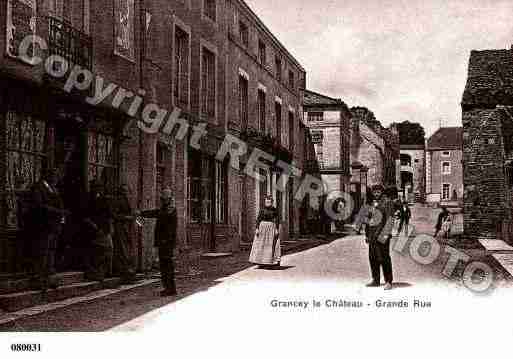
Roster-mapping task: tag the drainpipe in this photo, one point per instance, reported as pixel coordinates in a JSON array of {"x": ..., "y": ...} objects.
[{"x": 140, "y": 181}]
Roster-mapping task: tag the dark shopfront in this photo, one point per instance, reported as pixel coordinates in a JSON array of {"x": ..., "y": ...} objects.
[{"x": 40, "y": 128}]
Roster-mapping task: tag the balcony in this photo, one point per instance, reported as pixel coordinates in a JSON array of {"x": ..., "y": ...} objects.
[{"x": 72, "y": 44}]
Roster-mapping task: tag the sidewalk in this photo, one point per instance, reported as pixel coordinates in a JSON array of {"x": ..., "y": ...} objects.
[{"x": 103, "y": 309}]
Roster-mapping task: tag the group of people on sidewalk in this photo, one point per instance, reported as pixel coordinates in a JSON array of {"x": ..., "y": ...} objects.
[{"x": 95, "y": 233}]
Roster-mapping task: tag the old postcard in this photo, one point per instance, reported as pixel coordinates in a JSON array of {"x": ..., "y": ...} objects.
[{"x": 256, "y": 178}]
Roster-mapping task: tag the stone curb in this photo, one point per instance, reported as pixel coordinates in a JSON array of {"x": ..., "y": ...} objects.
[{"x": 8, "y": 318}]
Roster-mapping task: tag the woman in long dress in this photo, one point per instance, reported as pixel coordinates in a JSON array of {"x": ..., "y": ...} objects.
[{"x": 266, "y": 249}]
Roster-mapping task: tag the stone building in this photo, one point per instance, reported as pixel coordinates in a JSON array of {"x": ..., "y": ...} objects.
[
  {"x": 487, "y": 107},
  {"x": 375, "y": 147},
  {"x": 212, "y": 60},
  {"x": 413, "y": 172},
  {"x": 444, "y": 166},
  {"x": 328, "y": 120}
]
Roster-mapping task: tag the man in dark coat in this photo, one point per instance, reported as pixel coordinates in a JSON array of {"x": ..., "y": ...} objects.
[
  {"x": 165, "y": 239},
  {"x": 45, "y": 226},
  {"x": 123, "y": 222},
  {"x": 378, "y": 234},
  {"x": 98, "y": 221},
  {"x": 404, "y": 217}
]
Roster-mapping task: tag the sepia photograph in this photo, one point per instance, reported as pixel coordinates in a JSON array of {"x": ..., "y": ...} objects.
[{"x": 251, "y": 178}]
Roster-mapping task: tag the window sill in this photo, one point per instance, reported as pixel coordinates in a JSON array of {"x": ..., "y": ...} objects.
[{"x": 126, "y": 58}]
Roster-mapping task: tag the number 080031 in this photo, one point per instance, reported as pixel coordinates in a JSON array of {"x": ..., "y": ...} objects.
[{"x": 26, "y": 347}]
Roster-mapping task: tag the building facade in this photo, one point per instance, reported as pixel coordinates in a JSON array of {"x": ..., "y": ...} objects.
[
  {"x": 375, "y": 147},
  {"x": 328, "y": 120},
  {"x": 413, "y": 172},
  {"x": 487, "y": 145},
  {"x": 444, "y": 166},
  {"x": 214, "y": 60}
]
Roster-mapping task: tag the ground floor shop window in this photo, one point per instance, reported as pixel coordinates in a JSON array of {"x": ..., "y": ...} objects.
[
  {"x": 25, "y": 140},
  {"x": 102, "y": 160},
  {"x": 221, "y": 185},
  {"x": 194, "y": 190},
  {"x": 207, "y": 182}
]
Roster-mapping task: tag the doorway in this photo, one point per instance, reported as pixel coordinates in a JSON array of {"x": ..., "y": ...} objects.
[{"x": 69, "y": 158}]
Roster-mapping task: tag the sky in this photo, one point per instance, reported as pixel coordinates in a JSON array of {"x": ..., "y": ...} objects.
[{"x": 402, "y": 59}]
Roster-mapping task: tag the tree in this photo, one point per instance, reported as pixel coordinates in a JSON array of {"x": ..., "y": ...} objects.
[{"x": 411, "y": 133}]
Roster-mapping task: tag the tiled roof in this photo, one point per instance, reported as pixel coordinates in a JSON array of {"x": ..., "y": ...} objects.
[
  {"x": 315, "y": 99},
  {"x": 490, "y": 79},
  {"x": 446, "y": 138}
]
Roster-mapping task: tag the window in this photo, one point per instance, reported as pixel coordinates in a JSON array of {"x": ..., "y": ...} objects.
[
  {"x": 315, "y": 116},
  {"x": 181, "y": 78},
  {"x": 243, "y": 101},
  {"x": 291, "y": 79},
  {"x": 278, "y": 69},
  {"x": 148, "y": 38},
  {"x": 244, "y": 33},
  {"x": 124, "y": 28},
  {"x": 194, "y": 187},
  {"x": 405, "y": 160},
  {"x": 277, "y": 110},
  {"x": 320, "y": 155},
  {"x": 221, "y": 185},
  {"x": 291, "y": 131},
  {"x": 446, "y": 191},
  {"x": 208, "y": 83},
  {"x": 21, "y": 22},
  {"x": 261, "y": 111},
  {"x": 317, "y": 137},
  {"x": 446, "y": 153},
  {"x": 446, "y": 168},
  {"x": 209, "y": 9},
  {"x": 102, "y": 160},
  {"x": 262, "y": 55},
  {"x": 26, "y": 154}
]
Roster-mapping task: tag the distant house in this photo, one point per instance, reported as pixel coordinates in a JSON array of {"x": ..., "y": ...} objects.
[
  {"x": 487, "y": 107},
  {"x": 328, "y": 120},
  {"x": 444, "y": 167}
]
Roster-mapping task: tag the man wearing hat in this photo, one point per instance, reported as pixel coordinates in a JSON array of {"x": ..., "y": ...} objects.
[
  {"x": 165, "y": 239},
  {"x": 45, "y": 222},
  {"x": 378, "y": 234}
]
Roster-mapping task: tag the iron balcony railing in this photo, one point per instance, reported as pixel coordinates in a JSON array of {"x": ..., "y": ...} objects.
[{"x": 70, "y": 43}]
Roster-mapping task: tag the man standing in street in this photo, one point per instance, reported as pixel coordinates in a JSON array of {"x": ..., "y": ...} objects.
[
  {"x": 378, "y": 234},
  {"x": 165, "y": 239},
  {"x": 45, "y": 226},
  {"x": 405, "y": 215}
]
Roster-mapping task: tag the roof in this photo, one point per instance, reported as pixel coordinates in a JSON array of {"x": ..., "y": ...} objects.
[
  {"x": 490, "y": 79},
  {"x": 446, "y": 138},
  {"x": 311, "y": 98}
]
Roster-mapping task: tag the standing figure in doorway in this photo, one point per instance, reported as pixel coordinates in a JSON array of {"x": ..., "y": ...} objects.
[
  {"x": 266, "y": 249},
  {"x": 99, "y": 223},
  {"x": 47, "y": 216},
  {"x": 165, "y": 239}
]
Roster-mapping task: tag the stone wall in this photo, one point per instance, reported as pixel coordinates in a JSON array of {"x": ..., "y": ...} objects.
[{"x": 487, "y": 201}]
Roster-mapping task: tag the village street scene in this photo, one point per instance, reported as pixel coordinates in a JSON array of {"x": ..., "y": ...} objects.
[{"x": 169, "y": 156}]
